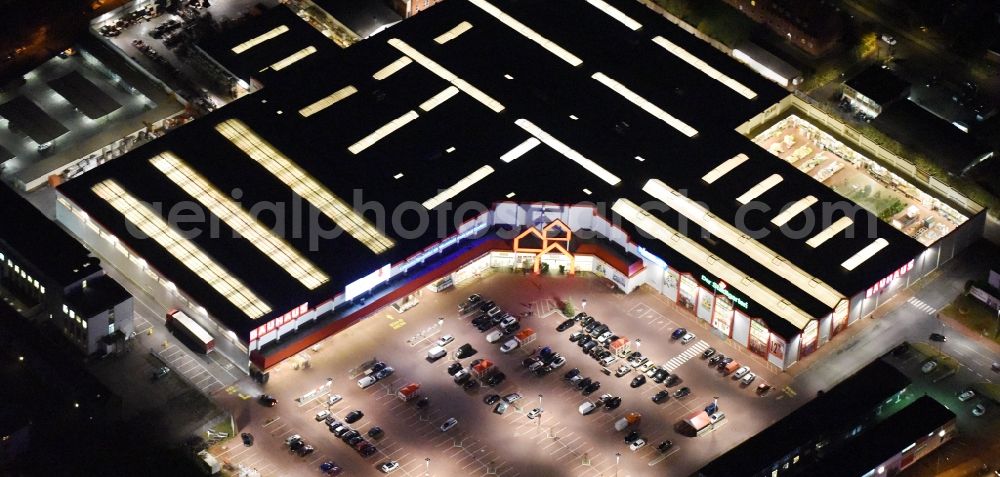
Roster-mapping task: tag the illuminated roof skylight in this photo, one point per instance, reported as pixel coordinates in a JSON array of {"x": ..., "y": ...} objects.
[
  {"x": 459, "y": 186},
  {"x": 328, "y": 101},
  {"x": 246, "y": 45},
  {"x": 528, "y": 33},
  {"x": 724, "y": 168},
  {"x": 705, "y": 67},
  {"x": 647, "y": 106},
  {"x": 567, "y": 151}
]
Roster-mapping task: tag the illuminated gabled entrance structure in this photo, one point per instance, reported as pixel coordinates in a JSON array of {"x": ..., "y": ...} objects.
[{"x": 554, "y": 236}]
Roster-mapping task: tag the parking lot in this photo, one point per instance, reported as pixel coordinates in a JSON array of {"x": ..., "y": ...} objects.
[{"x": 560, "y": 441}]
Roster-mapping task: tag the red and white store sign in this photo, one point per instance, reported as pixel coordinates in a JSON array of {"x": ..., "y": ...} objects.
[
  {"x": 885, "y": 282},
  {"x": 278, "y": 322}
]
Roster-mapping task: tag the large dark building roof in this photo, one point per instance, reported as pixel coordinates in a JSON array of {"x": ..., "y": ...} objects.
[
  {"x": 441, "y": 145},
  {"x": 844, "y": 406},
  {"x": 879, "y": 84},
  {"x": 877, "y": 445},
  {"x": 100, "y": 294},
  {"x": 41, "y": 242}
]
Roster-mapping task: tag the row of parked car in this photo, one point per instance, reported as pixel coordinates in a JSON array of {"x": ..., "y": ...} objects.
[{"x": 376, "y": 373}]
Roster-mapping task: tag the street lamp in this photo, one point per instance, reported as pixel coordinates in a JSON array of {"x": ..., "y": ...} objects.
[
  {"x": 329, "y": 392},
  {"x": 427, "y": 466},
  {"x": 618, "y": 458},
  {"x": 540, "y": 408}
]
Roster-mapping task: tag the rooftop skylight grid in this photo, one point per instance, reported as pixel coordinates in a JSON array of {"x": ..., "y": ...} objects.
[{"x": 273, "y": 33}]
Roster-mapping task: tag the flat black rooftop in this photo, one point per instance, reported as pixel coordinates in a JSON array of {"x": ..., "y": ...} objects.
[
  {"x": 877, "y": 445},
  {"x": 363, "y": 17},
  {"x": 84, "y": 95},
  {"x": 457, "y": 137},
  {"x": 27, "y": 117},
  {"x": 41, "y": 241},
  {"x": 878, "y": 84},
  {"x": 920, "y": 130},
  {"x": 102, "y": 293},
  {"x": 843, "y": 406}
]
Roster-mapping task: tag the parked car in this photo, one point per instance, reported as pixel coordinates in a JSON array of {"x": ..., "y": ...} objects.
[
  {"x": 661, "y": 396},
  {"x": 741, "y": 372},
  {"x": 576, "y": 336},
  {"x": 529, "y": 361},
  {"x": 687, "y": 338},
  {"x": 353, "y": 416},
  {"x": 638, "y": 381},
  {"x": 558, "y": 362},
  {"x": 366, "y": 381},
  {"x": 724, "y": 362},
  {"x": 748, "y": 379},
  {"x": 586, "y": 408},
  {"x": 161, "y": 372},
  {"x": 494, "y": 336},
  {"x": 387, "y": 467},
  {"x": 494, "y": 379},
  {"x": 682, "y": 392},
  {"x": 672, "y": 380},
  {"x": 267, "y": 400},
  {"x": 678, "y": 333},
  {"x": 660, "y": 375},
  {"x": 591, "y": 388},
  {"x": 247, "y": 439},
  {"x": 637, "y": 444},
  {"x": 708, "y": 353},
  {"x": 436, "y": 353},
  {"x": 966, "y": 395},
  {"x": 454, "y": 368},
  {"x": 584, "y": 383},
  {"x": 509, "y": 346},
  {"x": 938, "y": 337},
  {"x": 450, "y": 423},
  {"x": 589, "y": 345},
  {"x": 979, "y": 410},
  {"x": 929, "y": 366},
  {"x": 322, "y": 415},
  {"x": 461, "y": 376},
  {"x": 631, "y": 437},
  {"x": 535, "y": 412},
  {"x": 565, "y": 325},
  {"x": 714, "y": 360},
  {"x": 763, "y": 388},
  {"x": 612, "y": 402},
  {"x": 465, "y": 351},
  {"x": 511, "y": 398},
  {"x": 571, "y": 374},
  {"x": 664, "y": 446},
  {"x": 501, "y": 407},
  {"x": 491, "y": 399},
  {"x": 423, "y": 402},
  {"x": 333, "y": 399},
  {"x": 305, "y": 450},
  {"x": 376, "y": 432},
  {"x": 384, "y": 373},
  {"x": 622, "y": 370}
]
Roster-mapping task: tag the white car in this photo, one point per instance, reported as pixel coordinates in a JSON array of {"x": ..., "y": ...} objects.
[
  {"x": 558, "y": 362},
  {"x": 637, "y": 444},
  {"x": 292, "y": 439},
  {"x": 506, "y": 322},
  {"x": 586, "y": 408},
  {"x": 687, "y": 338},
  {"x": 366, "y": 381},
  {"x": 494, "y": 336},
  {"x": 461, "y": 374},
  {"x": 436, "y": 352},
  {"x": 444, "y": 340},
  {"x": 509, "y": 346},
  {"x": 929, "y": 366},
  {"x": 741, "y": 372},
  {"x": 979, "y": 410},
  {"x": 748, "y": 378},
  {"x": 965, "y": 396},
  {"x": 888, "y": 39},
  {"x": 334, "y": 399},
  {"x": 387, "y": 467},
  {"x": 535, "y": 412},
  {"x": 608, "y": 360},
  {"x": 451, "y": 422},
  {"x": 322, "y": 415}
]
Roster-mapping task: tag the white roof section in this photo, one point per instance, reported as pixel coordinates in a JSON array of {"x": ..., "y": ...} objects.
[
  {"x": 705, "y": 67},
  {"x": 382, "y": 132},
  {"x": 828, "y": 233},
  {"x": 569, "y": 152},
  {"x": 793, "y": 210},
  {"x": 616, "y": 14},
  {"x": 865, "y": 253},
  {"x": 711, "y": 263},
  {"x": 762, "y": 187},
  {"x": 645, "y": 105},
  {"x": 527, "y": 32},
  {"x": 439, "y": 98},
  {"x": 740, "y": 241},
  {"x": 328, "y": 101},
  {"x": 392, "y": 68},
  {"x": 304, "y": 185},
  {"x": 459, "y": 186},
  {"x": 724, "y": 168},
  {"x": 453, "y": 33},
  {"x": 446, "y": 75},
  {"x": 520, "y": 149},
  {"x": 184, "y": 250},
  {"x": 273, "y": 33},
  {"x": 258, "y": 235},
  {"x": 293, "y": 58}
]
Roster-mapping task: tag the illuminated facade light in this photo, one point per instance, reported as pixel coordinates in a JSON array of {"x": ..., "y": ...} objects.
[
  {"x": 328, "y": 101},
  {"x": 459, "y": 186},
  {"x": 679, "y": 242},
  {"x": 828, "y": 233},
  {"x": 304, "y": 185},
  {"x": 439, "y": 98},
  {"x": 567, "y": 151},
  {"x": 711, "y": 72},
  {"x": 616, "y": 14},
  {"x": 527, "y": 32},
  {"x": 392, "y": 68},
  {"x": 382, "y": 132},
  {"x": 724, "y": 168},
  {"x": 753, "y": 249},
  {"x": 793, "y": 210},
  {"x": 446, "y": 75},
  {"x": 185, "y": 251},
  {"x": 293, "y": 58},
  {"x": 759, "y": 189},
  {"x": 645, "y": 105},
  {"x": 261, "y": 237},
  {"x": 520, "y": 149},
  {"x": 453, "y": 33},
  {"x": 246, "y": 45},
  {"x": 865, "y": 253}
]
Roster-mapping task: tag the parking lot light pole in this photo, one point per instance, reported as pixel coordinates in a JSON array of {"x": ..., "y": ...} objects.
[
  {"x": 427, "y": 467},
  {"x": 329, "y": 392},
  {"x": 618, "y": 458},
  {"x": 540, "y": 407}
]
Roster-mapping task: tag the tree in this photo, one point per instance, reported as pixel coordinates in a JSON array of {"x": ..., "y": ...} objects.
[{"x": 867, "y": 45}]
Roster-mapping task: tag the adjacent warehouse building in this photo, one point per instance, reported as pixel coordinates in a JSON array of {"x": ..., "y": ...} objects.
[{"x": 489, "y": 134}]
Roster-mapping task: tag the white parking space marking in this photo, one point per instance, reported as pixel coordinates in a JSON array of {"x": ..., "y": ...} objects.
[{"x": 689, "y": 353}]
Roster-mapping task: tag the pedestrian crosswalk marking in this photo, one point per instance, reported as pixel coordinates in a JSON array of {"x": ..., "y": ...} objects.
[
  {"x": 920, "y": 305},
  {"x": 689, "y": 353}
]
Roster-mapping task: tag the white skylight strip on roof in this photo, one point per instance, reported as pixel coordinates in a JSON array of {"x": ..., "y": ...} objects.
[
  {"x": 828, "y": 233},
  {"x": 261, "y": 237},
  {"x": 793, "y": 210},
  {"x": 726, "y": 272},
  {"x": 453, "y": 33},
  {"x": 459, "y": 186},
  {"x": 182, "y": 249},
  {"x": 392, "y": 68},
  {"x": 567, "y": 151},
  {"x": 328, "y": 101},
  {"x": 724, "y": 168},
  {"x": 527, "y": 32},
  {"x": 756, "y": 191},
  {"x": 520, "y": 149},
  {"x": 304, "y": 185},
  {"x": 616, "y": 14},
  {"x": 643, "y": 103},
  {"x": 446, "y": 75},
  {"x": 865, "y": 253},
  {"x": 439, "y": 98},
  {"x": 246, "y": 45},
  {"x": 753, "y": 249},
  {"x": 705, "y": 67},
  {"x": 382, "y": 132},
  {"x": 293, "y": 58}
]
